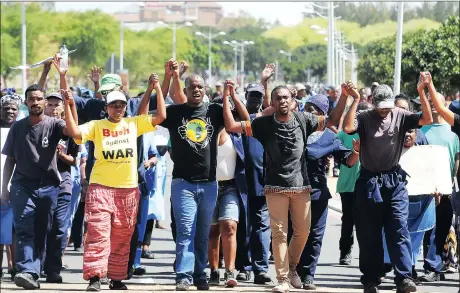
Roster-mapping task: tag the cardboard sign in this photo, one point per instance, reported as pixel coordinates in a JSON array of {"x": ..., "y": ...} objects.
[{"x": 429, "y": 171}]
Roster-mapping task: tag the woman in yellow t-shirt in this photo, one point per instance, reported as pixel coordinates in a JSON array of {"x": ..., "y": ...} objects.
[{"x": 113, "y": 196}]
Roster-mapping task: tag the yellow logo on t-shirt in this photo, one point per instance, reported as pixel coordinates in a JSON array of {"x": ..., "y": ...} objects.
[{"x": 197, "y": 132}]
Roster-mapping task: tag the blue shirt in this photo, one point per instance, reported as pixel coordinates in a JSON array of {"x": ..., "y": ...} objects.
[{"x": 254, "y": 164}]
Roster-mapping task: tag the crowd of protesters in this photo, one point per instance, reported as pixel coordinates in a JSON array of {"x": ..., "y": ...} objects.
[{"x": 249, "y": 179}]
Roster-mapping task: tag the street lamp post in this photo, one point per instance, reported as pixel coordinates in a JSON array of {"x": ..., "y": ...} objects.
[
  {"x": 399, "y": 33},
  {"x": 288, "y": 54},
  {"x": 242, "y": 44},
  {"x": 235, "y": 64},
  {"x": 174, "y": 27},
  {"x": 121, "y": 44},
  {"x": 210, "y": 37},
  {"x": 24, "y": 48}
]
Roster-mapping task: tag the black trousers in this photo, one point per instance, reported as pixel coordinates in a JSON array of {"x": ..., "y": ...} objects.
[
  {"x": 77, "y": 226},
  {"x": 348, "y": 223},
  {"x": 148, "y": 232}
]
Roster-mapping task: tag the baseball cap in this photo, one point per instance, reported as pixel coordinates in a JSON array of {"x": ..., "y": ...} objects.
[
  {"x": 383, "y": 97},
  {"x": 55, "y": 95},
  {"x": 109, "y": 82},
  {"x": 115, "y": 96},
  {"x": 255, "y": 87},
  {"x": 299, "y": 87},
  {"x": 218, "y": 84},
  {"x": 416, "y": 101}
]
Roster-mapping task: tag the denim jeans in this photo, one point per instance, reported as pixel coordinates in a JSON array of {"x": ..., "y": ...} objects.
[
  {"x": 193, "y": 204},
  {"x": 33, "y": 204},
  {"x": 260, "y": 233}
]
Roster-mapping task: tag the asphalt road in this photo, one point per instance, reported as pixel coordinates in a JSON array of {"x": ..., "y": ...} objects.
[{"x": 330, "y": 277}]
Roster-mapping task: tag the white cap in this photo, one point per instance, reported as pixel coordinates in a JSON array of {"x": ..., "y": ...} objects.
[{"x": 115, "y": 96}]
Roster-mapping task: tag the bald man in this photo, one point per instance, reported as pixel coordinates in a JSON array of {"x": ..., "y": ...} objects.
[{"x": 194, "y": 126}]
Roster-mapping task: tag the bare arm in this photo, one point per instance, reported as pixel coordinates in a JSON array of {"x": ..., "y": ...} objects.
[
  {"x": 161, "y": 107},
  {"x": 349, "y": 121},
  {"x": 71, "y": 128},
  {"x": 354, "y": 156},
  {"x": 8, "y": 168},
  {"x": 348, "y": 89},
  {"x": 230, "y": 124},
  {"x": 427, "y": 117},
  {"x": 239, "y": 106},
  {"x": 95, "y": 76},
  {"x": 440, "y": 107},
  {"x": 44, "y": 76},
  {"x": 265, "y": 76},
  {"x": 67, "y": 159},
  {"x": 143, "y": 108}
]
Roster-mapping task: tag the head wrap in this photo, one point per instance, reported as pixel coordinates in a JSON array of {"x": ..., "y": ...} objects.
[{"x": 11, "y": 98}]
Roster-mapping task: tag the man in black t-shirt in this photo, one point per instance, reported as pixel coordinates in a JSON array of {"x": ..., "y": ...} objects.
[
  {"x": 194, "y": 127},
  {"x": 287, "y": 188},
  {"x": 31, "y": 152}
]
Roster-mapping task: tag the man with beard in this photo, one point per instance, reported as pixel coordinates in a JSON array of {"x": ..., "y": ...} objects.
[
  {"x": 194, "y": 185},
  {"x": 31, "y": 152},
  {"x": 380, "y": 191}
]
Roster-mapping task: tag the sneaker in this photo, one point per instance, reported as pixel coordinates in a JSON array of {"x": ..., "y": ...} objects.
[
  {"x": 43, "y": 275},
  {"x": 182, "y": 285},
  {"x": 230, "y": 280},
  {"x": 54, "y": 278},
  {"x": 214, "y": 278},
  {"x": 139, "y": 271},
  {"x": 282, "y": 287},
  {"x": 117, "y": 285},
  {"x": 64, "y": 267},
  {"x": 294, "y": 277},
  {"x": 432, "y": 277},
  {"x": 94, "y": 285},
  {"x": 345, "y": 259},
  {"x": 309, "y": 285},
  {"x": 26, "y": 281},
  {"x": 406, "y": 286},
  {"x": 105, "y": 280},
  {"x": 244, "y": 276},
  {"x": 371, "y": 288},
  {"x": 261, "y": 278},
  {"x": 201, "y": 285}
]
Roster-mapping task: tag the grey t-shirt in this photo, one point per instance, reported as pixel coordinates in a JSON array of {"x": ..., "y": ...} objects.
[
  {"x": 284, "y": 148},
  {"x": 382, "y": 138},
  {"x": 34, "y": 149}
]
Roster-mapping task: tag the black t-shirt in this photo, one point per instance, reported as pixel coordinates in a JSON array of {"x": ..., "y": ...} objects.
[
  {"x": 34, "y": 149},
  {"x": 193, "y": 132},
  {"x": 71, "y": 149},
  {"x": 285, "y": 162},
  {"x": 456, "y": 127}
]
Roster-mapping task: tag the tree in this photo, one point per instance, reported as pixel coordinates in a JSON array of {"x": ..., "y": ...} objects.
[{"x": 306, "y": 57}]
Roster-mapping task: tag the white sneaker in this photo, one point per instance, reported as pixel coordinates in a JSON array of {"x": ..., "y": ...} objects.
[
  {"x": 282, "y": 287},
  {"x": 294, "y": 278}
]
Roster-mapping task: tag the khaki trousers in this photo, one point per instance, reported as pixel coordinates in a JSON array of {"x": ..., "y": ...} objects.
[{"x": 279, "y": 205}]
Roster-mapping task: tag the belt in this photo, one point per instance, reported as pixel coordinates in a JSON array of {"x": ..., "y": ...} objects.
[{"x": 226, "y": 183}]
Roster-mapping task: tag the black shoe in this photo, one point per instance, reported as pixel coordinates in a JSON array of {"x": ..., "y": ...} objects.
[
  {"x": 406, "y": 286},
  {"x": 117, "y": 285},
  {"x": 174, "y": 265},
  {"x": 139, "y": 271},
  {"x": 271, "y": 259},
  {"x": 26, "y": 281},
  {"x": 371, "y": 288},
  {"x": 182, "y": 285},
  {"x": 230, "y": 280},
  {"x": 54, "y": 278},
  {"x": 147, "y": 255},
  {"x": 214, "y": 278},
  {"x": 432, "y": 277},
  {"x": 94, "y": 285},
  {"x": 244, "y": 276},
  {"x": 308, "y": 285},
  {"x": 345, "y": 259},
  {"x": 201, "y": 285},
  {"x": 12, "y": 272},
  {"x": 262, "y": 278}
]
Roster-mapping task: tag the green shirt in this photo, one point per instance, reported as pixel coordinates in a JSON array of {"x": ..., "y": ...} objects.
[
  {"x": 441, "y": 134},
  {"x": 347, "y": 176}
]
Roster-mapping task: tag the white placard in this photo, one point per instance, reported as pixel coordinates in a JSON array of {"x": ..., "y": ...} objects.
[
  {"x": 3, "y": 135},
  {"x": 429, "y": 171}
]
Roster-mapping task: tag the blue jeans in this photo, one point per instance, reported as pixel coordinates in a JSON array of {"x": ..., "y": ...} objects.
[
  {"x": 33, "y": 207},
  {"x": 57, "y": 238},
  {"x": 193, "y": 204}
]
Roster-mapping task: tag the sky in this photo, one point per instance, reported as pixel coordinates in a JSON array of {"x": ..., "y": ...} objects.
[{"x": 269, "y": 11}]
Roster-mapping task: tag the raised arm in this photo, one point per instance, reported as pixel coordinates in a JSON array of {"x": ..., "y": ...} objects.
[
  {"x": 239, "y": 106},
  {"x": 268, "y": 72},
  {"x": 95, "y": 76},
  {"x": 438, "y": 104},
  {"x": 44, "y": 76},
  {"x": 64, "y": 86},
  {"x": 230, "y": 124},
  {"x": 143, "y": 108},
  {"x": 176, "y": 93},
  {"x": 71, "y": 128},
  {"x": 427, "y": 117},
  {"x": 349, "y": 125},
  {"x": 348, "y": 89}
]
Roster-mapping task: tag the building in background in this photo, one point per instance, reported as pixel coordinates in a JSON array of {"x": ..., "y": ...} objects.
[{"x": 199, "y": 13}]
